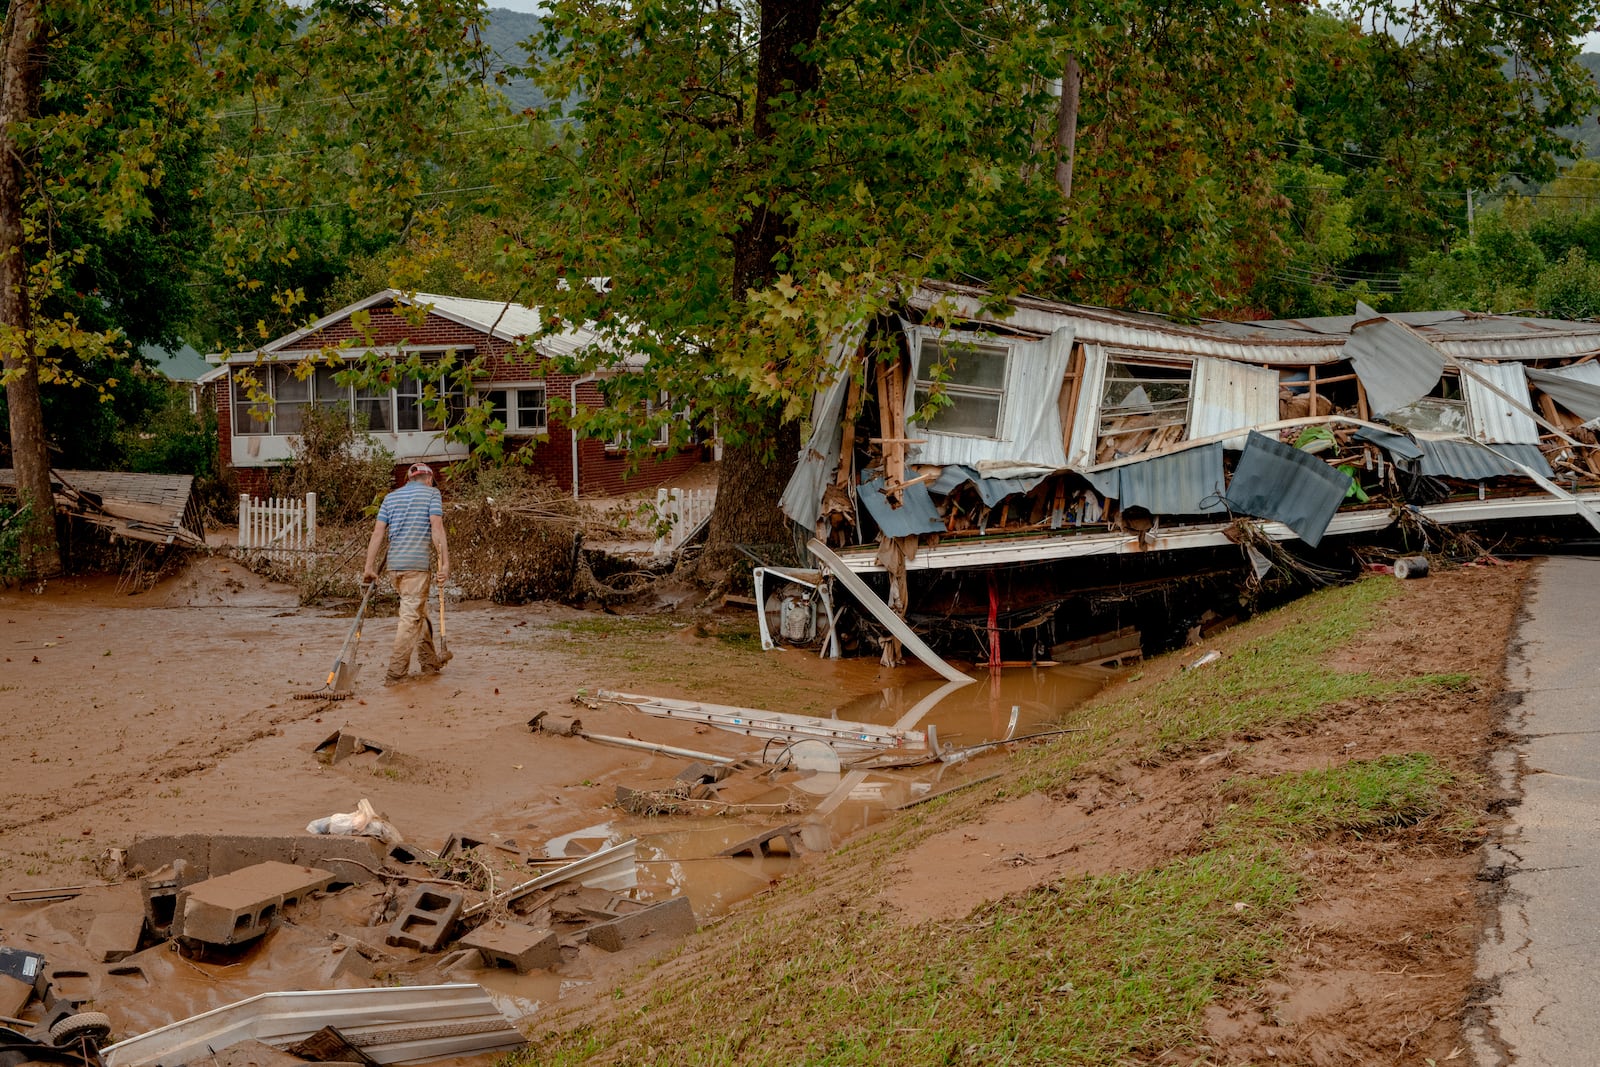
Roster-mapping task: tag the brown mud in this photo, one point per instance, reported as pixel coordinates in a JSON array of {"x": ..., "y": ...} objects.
[{"x": 172, "y": 711}]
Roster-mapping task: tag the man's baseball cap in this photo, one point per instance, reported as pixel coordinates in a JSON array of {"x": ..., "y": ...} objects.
[{"x": 419, "y": 468}]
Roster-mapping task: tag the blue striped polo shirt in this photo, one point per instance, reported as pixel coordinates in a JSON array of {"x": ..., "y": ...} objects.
[{"x": 407, "y": 511}]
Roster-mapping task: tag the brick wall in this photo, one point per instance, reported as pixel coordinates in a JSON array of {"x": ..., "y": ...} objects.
[{"x": 603, "y": 472}]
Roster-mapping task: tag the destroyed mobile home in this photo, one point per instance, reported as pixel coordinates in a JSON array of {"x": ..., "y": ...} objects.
[{"x": 1057, "y": 447}]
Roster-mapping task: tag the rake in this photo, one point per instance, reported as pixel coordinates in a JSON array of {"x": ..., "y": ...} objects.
[{"x": 341, "y": 681}]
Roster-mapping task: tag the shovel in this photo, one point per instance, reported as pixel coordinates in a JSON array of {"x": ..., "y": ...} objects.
[
  {"x": 342, "y": 675},
  {"x": 439, "y": 644}
]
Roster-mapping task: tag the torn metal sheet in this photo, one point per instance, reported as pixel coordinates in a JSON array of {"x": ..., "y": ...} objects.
[
  {"x": 1276, "y": 481},
  {"x": 882, "y": 612},
  {"x": 1469, "y": 461},
  {"x": 1495, "y": 419},
  {"x": 1396, "y": 366},
  {"x": 990, "y": 490},
  {"x": 915, "y": 515},
  {"x": 1187, "y": 482},
  {"x": 1399, "y": 446},
  {"x": 819, "y": 457},
  {"x": 1028, "y": 429},
  {"x": 754, "y": 722},
  {"x": 395, "y": 1024},
  {"x": 1575, "y": 388}
]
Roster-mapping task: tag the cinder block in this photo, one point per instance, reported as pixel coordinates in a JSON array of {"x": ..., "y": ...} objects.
[
  {"x": 161, "y": 850},
  {"x": 114, "y": 935},
  {"x": 514, "y": 946},
  {"x": 670, "y": 918},
  {"x": 160, "y": 890},
  {"x": 426, "y": 919},
  {"x": 330, "y": 852},
  {"x": 242, "y": 906},
  {"x": 235, "y": 852}
]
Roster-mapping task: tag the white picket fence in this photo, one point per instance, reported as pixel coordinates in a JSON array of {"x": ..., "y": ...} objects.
[
  {"x": 687, "y": 510},
  {"x": 278, "y": 528}
]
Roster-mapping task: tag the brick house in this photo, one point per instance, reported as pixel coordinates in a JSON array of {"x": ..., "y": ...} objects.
[{"x": 518, "y": 384}]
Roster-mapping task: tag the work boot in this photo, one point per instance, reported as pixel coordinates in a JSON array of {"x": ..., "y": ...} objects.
[{"x": 394, "y": 679}]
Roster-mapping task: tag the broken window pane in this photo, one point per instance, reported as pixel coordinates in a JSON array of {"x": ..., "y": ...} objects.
[{"x": 1432, "y": 415}]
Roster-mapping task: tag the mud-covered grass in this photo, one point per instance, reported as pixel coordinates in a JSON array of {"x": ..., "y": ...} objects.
[{"x": 1107, "y": 968}]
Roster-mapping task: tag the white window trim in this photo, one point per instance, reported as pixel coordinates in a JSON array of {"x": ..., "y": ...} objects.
[
  {"x": 955, "y": 391},
  {"x": 268, "y": 373},
  {"x": 513, "y": 420}
]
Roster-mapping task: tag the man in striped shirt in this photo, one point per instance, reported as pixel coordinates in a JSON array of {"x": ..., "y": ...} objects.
[{"x": 412, "y": 516}]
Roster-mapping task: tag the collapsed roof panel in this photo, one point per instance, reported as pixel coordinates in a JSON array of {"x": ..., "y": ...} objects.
[
  {"x": 1470, "y": 462},
  {"x": 1576, "y": 388},
  {"x": 1396, "y": 367}
]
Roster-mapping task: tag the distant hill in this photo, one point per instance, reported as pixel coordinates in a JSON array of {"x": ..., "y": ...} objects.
[
  {"x": 1587, "y": 132},
  {"x": 505, "y": 34}
]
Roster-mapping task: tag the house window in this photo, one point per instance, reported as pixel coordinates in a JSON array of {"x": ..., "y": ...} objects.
[
  {"x": 405, "y": 408},
  {"x": 1443, "y": 410},
  {"x": 1142, "y": 406},
  {"x": 972, "y": 378},
  {"x": 663, "y": 434},
  {"x": 521, "y": 409}
]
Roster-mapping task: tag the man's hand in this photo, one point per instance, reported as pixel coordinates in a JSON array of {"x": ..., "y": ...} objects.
[
  {"x": 368, "y": 576},
  {"x": 443, "y": 573}
]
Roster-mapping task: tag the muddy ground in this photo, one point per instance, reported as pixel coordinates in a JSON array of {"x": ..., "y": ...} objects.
[{"x": 172, "y": 711}]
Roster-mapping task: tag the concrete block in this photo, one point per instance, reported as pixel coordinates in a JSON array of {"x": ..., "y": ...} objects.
[
  {"x": 242, "y": 906},
  {"x": 670, "y": 918},
  {"x": 515, "y": 947},
  {"x": 161, "y": 850},
  {"x": 703, "y": 774},
  {"x": 426, "y": 919},
  {"x": 235, "y": 852},
  {"x": 114, "y": 935},
  {"x": 787, "y": 838},
  {"x": 160, "y": 890},
  {"x": 330, "y": 852}
]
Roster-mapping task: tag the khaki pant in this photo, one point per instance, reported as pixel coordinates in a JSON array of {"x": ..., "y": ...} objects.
[{"x": 415, "y": 632}]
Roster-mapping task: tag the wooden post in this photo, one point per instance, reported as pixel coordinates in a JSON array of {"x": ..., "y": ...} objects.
[
  {"x": 1361, "y": 402},
  {"x": 994, "y": 623},
  {"x": 847, "y": 442},
  {"x": 1311, "y": 378}
]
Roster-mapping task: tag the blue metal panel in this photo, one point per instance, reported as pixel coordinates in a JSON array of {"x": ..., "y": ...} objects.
[
  {"x": 1398, "y": 446},
  {"x": 990, "y": 490},
  {"x": 915, "y": 515},
  {"x": 1276, "y": 481},
  {"x": 1189, "y": 482},
  {"x": 1471, "y": 462}
]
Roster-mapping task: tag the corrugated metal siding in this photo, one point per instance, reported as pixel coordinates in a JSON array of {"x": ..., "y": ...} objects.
[
  {"x": 1274, "y": 481},
  {"x": 990, "y": 490},
  {"x": 1086, "y": 419},
  {"x": 1230, "y": 396},
  {"x": 819, "y": 457},
  {"x": 1471, "y": 462},
  {"x": 1396, "y": 367},
  {"x": 1494, "y": 419},
  {"x": 915, "y": 515},
  {"x": 1189, "y": 482},
  {"x": 1575, "y": 388},
  {"x": 1030, "y": 416}
]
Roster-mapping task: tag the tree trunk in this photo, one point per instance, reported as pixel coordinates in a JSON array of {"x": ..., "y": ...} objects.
[
  {"x": 30, "y": 457},
  {"x": 757, "y": 465}
]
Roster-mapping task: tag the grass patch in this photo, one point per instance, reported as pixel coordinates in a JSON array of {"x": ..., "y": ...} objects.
[
  {"x": 603, "y": 626},
  {"x": 1083, "y": 971},
  {"x": 1361, "y": 797},
  {"x": 1093, "y": 970},
  {"x": 1279, "y": 678}
]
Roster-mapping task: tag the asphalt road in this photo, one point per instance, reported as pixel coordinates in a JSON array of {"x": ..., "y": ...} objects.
[{"x": 1539, "y": 966}]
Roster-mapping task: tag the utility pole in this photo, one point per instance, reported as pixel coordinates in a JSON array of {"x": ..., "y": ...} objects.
[{"x": 1472, "y": 232}]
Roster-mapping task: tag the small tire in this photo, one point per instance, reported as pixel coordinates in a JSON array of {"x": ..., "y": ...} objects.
[{"x": 91, "y": 1024}]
